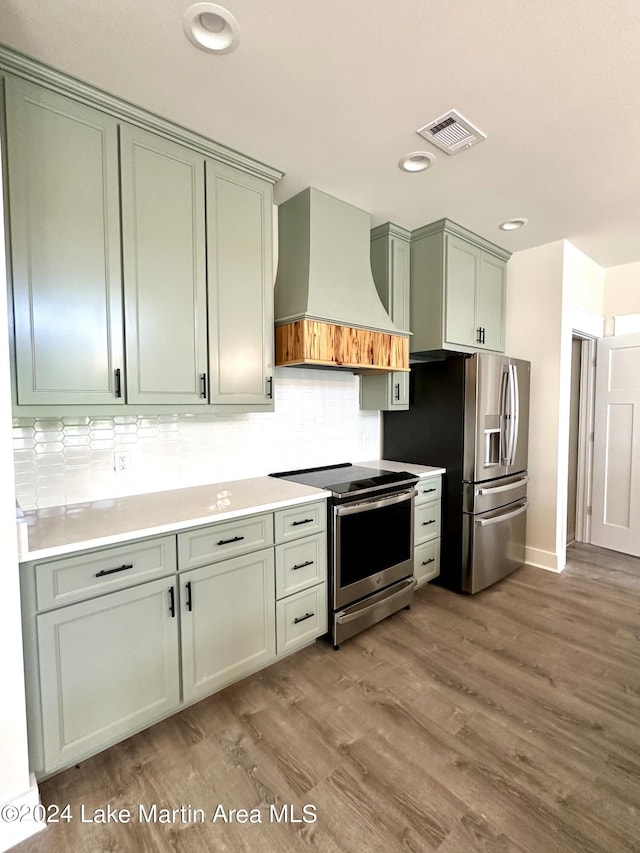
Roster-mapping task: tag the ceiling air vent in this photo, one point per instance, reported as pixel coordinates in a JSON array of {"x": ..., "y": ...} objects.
[{"x": 452, "y": 133}]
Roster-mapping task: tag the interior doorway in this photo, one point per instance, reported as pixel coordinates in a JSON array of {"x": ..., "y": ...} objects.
[{"x": 581, "y": 412}]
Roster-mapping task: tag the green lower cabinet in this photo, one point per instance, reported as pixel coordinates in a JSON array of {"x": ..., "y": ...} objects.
[
  {"x": 108, "y": 667},
  {"x": 227, "y": 621}
]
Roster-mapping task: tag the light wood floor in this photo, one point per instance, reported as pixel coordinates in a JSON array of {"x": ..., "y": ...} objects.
[{"x": 507, "y": 721}]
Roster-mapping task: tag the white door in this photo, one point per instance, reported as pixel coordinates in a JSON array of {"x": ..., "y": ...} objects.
[{"x": 616, "y": 449}]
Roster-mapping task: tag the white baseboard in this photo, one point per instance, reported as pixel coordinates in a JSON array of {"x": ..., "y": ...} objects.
[
  {"x": 547, "y": 560},
  {"x": 13, "y": 832}
]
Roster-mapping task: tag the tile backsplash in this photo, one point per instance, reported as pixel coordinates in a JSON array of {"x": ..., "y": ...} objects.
[{"x": 316, "y": 421}]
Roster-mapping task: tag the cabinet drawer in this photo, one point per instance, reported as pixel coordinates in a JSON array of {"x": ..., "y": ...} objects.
[
  {"x": 76, "y": 578},
  {"x": 300, "y": 521},
  {"x": 426, "y": 561},
  {"x": 429, "y": 489},
  {"x": 228, "y": 539},
  {"x": 427, "y": 522},
  {"x": 301, "y": 617},
  {"x": 300, "y": 564}
]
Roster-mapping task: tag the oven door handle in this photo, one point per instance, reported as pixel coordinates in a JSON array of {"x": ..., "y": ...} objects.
[
  {"x": 356, "y": 613},
  {"x": 378, "y": 503}
]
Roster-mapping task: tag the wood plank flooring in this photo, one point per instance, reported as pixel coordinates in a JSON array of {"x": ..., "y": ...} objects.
[{"x": 507, "y": 721}]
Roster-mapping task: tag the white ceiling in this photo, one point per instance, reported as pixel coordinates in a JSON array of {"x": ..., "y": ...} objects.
[{"x": 333, "y": 91}]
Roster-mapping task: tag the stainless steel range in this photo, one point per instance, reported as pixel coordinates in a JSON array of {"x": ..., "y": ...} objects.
[{"x": 370, "y": 543}]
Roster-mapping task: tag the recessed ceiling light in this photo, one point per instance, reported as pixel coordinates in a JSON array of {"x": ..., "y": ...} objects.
[
  {"x": 513, "y": 224},
  {"x": 211, "y": 27},
  {"x": 417, "y": 161}
]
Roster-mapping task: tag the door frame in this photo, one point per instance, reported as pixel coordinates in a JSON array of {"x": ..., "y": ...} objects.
[{"x": 584, "y": 479}]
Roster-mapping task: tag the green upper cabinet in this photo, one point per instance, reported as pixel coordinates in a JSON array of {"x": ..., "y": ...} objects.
[
  {"x": 458, "y": 290},
  {"x": 390, "y": 265},
  {"x": 164, "y": 265},
  {"x": 141, "y": 257},
  {"x": 62, "y": 165},
  {"x": 240, "y": 277}
]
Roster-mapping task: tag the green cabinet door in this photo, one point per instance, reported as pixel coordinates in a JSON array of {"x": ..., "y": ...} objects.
[
  {"x": 390, "y": 266},
  {"x": 164, "y": 260},
  {"x": 491, "y": 294},
  {"x": 62, "y": 164},
  {"x": 462, "y": 262},
  {"x": 240, "y": 279},
  {"x": 227, "y": 621},
  {"x": 108, "y": 667}
]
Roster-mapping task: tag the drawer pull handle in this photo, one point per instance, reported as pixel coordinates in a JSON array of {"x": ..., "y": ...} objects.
[
  {"x": 187, "y": 587},
  {"x": 172, "y": 602},
  {"x": 122, "y": 568},
  {"x": 425, "y": 523},
  {"x": 302, "y": 565},
  {"x": 304, "y": 521},
  {"x": 426, "y": 491},
  {"x": 430, "y": 560},
  {"x": 228, "y": 541},
  {"x": 303, "y": 618}
]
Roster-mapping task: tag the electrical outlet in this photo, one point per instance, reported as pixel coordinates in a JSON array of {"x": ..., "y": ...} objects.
[{"x": 121, "y": 461}]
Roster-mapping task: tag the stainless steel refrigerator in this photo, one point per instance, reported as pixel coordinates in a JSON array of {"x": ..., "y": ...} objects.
[{"x": 470, "y": 414}]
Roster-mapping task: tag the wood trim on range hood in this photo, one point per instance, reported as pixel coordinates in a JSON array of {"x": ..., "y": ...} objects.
[
  {"x": 327, "y": 308},
  {"x": 319, "y": 344}
]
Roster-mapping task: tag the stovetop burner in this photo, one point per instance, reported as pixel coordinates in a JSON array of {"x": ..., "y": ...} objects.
[{"x": 347, "y": 479}]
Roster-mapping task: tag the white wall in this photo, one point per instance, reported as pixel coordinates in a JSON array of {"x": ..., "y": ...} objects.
[
  {"x": 582, "y": 311},
  {"x": 622, "y": 290},
  {"x": 552, "y": 290},
  {"x": 16, "y": 787},
  {"x": 534, "y": 326}
]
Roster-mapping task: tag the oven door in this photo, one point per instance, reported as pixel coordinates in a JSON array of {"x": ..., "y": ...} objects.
[{"x": 372, "y": 545}]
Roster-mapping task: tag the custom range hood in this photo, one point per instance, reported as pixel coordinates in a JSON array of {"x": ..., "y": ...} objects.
[{"x": 327, "y": 309}]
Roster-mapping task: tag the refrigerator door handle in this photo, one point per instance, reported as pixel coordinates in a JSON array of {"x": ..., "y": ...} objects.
[
  {"x": 497, "y": 519},
  {"x": 511, "y": 414},
  {"x": 504, "y": 417},
  {"x": 515, "y": 413},
  {"x": 495, "y": 489}
]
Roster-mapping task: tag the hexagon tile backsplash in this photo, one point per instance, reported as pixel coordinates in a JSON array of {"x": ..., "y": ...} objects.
[{"x": 317, "y": 421}]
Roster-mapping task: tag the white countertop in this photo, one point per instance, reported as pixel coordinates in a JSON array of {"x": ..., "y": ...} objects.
[
  {"x": 418, "y": 470},
  {"x": 65, "y": 529}
]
